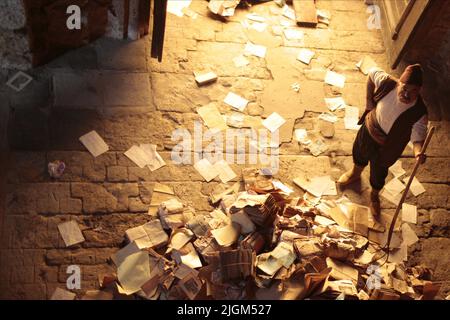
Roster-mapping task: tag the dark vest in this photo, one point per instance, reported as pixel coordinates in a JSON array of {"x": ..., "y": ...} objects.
[{"x": 393, "y": 143}]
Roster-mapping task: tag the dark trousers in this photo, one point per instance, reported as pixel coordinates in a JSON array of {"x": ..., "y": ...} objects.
[{"x": 366, "y": 150}]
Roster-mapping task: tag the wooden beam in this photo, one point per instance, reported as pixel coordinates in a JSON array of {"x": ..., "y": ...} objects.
[{"x": 305, "y": 12}]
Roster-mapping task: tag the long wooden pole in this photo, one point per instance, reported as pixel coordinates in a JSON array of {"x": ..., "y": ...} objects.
[{"x": 411, "y": 178}]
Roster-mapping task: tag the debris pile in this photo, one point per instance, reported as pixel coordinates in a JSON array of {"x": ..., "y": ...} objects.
[{"x": 259, "y": 241}]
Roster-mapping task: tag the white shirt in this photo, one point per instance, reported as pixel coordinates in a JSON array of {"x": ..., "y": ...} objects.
[{"x": 390, "y": 107}]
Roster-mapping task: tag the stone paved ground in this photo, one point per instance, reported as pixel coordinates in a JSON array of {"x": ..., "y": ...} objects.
[{"x": 115, "y": 88}]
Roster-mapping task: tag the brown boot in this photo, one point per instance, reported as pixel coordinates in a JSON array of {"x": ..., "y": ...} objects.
[
  {"x": 375, "y": 207},
  {"x": 351, "y": 176}
]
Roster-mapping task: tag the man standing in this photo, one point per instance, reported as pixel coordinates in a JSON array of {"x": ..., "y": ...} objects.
[{"x": 395, "y": 114}]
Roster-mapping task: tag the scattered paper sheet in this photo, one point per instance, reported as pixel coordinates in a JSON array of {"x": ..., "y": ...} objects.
[
  {"x": 323, "y": 16},
  {"x": 227, "y": 235},
  {"x": 408, "y": 235},
  {"x": 236, "y": 120},
  {"x": 162, "y": 188},
  {"x": 240, "y": 61},
  {"x": 281, "y": 186},
  {"x": 394, "y": 187},
  {"x": 223, "y": 8},
  {"x": 134, "y": 272},
  {"x": 176, "y": 7},
  {"x": 273, "y": 122},
  {"x": 342, "y": 271},
  {"x": 288, "y": 12},
  {"x": 149, "y": 235},
  {"x": 305, "y": 56},
  {"x": 416, "y": 187},
  {"x": 317, "y": 147},
  {"x": 365, "y": 64},
  {"x": 212, "y": 117},
  {"x": 317, "y": 186},
  {"x": 293, "y": 34},
  {"x": 225, "y": 172},
  {"x": 123, "y": 253},
  {"x": 268, "y": 264},
  {"x": 284, "y": 253},
  {"x": 255, "y": 17},
  {"x": 397, "y": 170},
  {"x": 334, "y": 104},
  {"x": 145, "y": 155},
  {"x": 258, "y": 26},
  {"x": 327, "y": 116},
  {"x": 205, "y": 78},
  {"x": 300, "y": 134},
  {"x": 399, "y": 255},
  {"x": 155, "y": 161},
  {"x": 351, "y": 118},
  {"x": 206, "y": 169},
  {"x": 188, "y": 256},
  {"x": 61, "y": 294},
  {"x": 255, "y": 49},
  {"x": 71, "y": 233},
  {"x": 323, "y": 221},
  {"x": 236, "y": 101},
  {"x": 179, "y": 238},
  {"x": 335, "y": 79},
  {"x": 94, "y": 143},
  {"x": 138, "y": 156},
  {"x": 409, "y": 213},
  {"x": 394, "y": 199}
]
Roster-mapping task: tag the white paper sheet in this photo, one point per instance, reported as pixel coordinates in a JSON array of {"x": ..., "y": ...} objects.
[
  {"x": 138, "y": 156},
  {"x": 255, "y": 49},
  {"x": 335, "y": 79},
  {"x": 206, "y": 169},
  {"x": 133, "y": 272},
  {"x": 70, "y": 232},
  {"x": 155, "y": 161},
  {"x": 394, "y": 187},
  {"x": 225, "y": 172},
  {"x": 293, "y": 34},
  {"x": 212, "y": 117},
  {"x": 334, "y": 104},
  {"x": 305, "y": 56},
  {"x": 409, "y": 213},
  {"x": 351, "y": 118},
  {"x": 288, "y": 12},
  {"x": 273, "y": 122},
  {"x": 236, "y": 101},
  {"x": 176, "y": 6},
  {"x": 94, "y": 143},
  {"x": 281, "y": 186},
  {"x": 258, "y": 26},
  {"x": 255, "y": 17},
  {"x": 408, "y": 235},
  {"x": 416, "y": 187},
  {"x": 240, "y": 61},
  {"x": 327, "y": 116},
  {"x": 396, "y": 169},
  {"x": 204, "y": 78},
  {"x": 365, "y": 64},
  {"x": 300, "y": 134}
]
